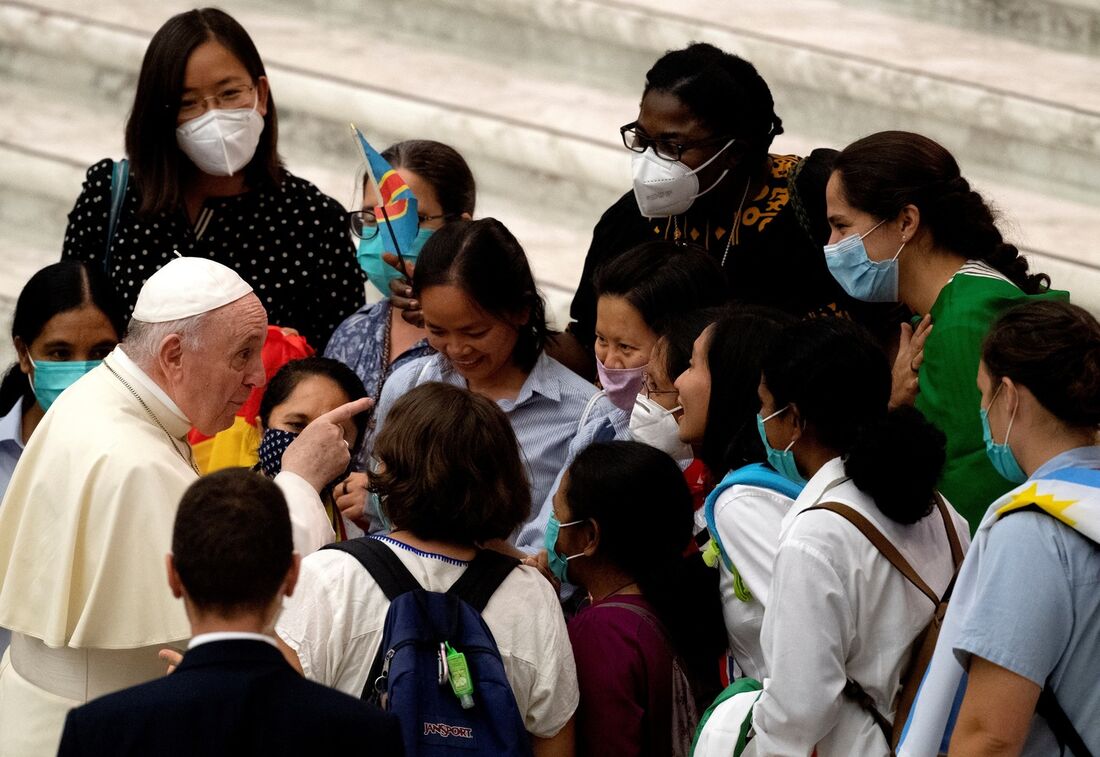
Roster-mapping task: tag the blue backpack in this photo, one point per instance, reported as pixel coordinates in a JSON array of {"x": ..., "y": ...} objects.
[
  {"x": 410, "y": 676},
  {"x": 756, "y": 474}
]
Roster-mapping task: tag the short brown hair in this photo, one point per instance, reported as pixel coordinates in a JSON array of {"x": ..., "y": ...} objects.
[
  {"x": 451, "y": 467},
  {"x": 232, "y": 543}
]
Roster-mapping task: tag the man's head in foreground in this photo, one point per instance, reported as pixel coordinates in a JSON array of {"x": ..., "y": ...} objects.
[{"x": 232, "y": 557}]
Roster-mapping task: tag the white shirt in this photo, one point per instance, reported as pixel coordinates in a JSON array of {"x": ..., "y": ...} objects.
[
  {"x": 214, "y": 636},
  {"x": 335, "y": 617},
  {"x": 841, "y": 610},
  {"x": 748, "y": 520}
]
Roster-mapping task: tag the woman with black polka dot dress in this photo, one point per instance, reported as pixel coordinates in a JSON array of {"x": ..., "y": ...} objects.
[{"x": 204, "y": 179}]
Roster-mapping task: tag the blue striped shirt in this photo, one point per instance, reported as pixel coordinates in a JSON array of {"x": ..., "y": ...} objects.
[{"x": 546, "y": 416}]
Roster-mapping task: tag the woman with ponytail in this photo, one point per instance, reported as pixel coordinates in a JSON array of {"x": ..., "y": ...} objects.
[
  {"x": 1023, "y": 618},
  {"x": 840, "y": 613},
  {"x": 621, "y": 524},
  {"x": 907, "y": 227}
]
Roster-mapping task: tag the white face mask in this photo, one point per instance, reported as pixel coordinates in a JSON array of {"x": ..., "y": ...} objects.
[
  {"x": 221, "y": 142},
  {"x": 654, "y": 425},
  {"x": 666, "y": 187}
]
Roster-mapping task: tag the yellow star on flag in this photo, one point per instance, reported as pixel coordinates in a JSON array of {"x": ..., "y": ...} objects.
[{"x": 1045, "y": 502}]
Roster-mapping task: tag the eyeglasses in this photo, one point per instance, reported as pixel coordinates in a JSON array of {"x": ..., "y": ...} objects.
[
  {"x": 233, "y": 96},
  {"x": 649, "y": 388},
  {"x": 364, "y": 224},
  {"x": 639, "y": 141}
]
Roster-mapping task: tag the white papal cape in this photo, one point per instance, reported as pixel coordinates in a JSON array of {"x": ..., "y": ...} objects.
[{"x": 84, "y": 529}]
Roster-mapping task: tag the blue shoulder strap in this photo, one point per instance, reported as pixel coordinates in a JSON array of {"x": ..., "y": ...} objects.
[
  {"x": 756, "y": 474},
  {"x": 120, "y": 176}
]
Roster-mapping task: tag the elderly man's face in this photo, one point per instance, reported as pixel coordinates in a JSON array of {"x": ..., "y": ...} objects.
[{"x": 226, "y": 367}]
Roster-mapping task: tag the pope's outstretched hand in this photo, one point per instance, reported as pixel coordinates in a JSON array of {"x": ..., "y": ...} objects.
[{"x": 320, "y": 453}]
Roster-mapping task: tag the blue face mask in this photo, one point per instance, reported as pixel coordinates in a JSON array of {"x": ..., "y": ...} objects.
[
  {"x": 558, "y": 562},
  {"x": 51, "y": 378},
  {"x": 860, "y": 276},
  {"x": 379, "y": 271},
  {"x": 781, "y": 460},
  {"x": 1004, "y": 462}
]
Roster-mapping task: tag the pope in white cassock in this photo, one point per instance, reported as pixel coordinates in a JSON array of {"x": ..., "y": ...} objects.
[{"x": 88, "y": 516}]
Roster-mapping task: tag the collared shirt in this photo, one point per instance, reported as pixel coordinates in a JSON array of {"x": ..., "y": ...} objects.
[
  {"x": 551, "y": 416},
  {"x": 838, "y": 610},
  {"x": 11, "y": 444},
  {"x": 213, "y": 636}
]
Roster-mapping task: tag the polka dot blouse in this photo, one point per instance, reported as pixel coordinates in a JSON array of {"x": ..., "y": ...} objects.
[{"x": 289, "y": 242}]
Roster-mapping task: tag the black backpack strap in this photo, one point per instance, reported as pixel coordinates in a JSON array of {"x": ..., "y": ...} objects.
[
  {"x": 385, "y": 567},
  {"x": 482, "y": 577},
  {"x": 1060, "y": 724}
]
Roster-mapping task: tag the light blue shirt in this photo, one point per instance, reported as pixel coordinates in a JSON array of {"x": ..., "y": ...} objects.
[
  {"x": 546, "y": 416},
  {"x": 11, "y": 444},
  {"x": 1037, "y": 610}
]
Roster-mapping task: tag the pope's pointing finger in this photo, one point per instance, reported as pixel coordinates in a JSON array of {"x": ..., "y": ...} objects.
[{"x": 347, "y": 411}]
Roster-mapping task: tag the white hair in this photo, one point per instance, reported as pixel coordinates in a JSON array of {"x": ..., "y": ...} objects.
[{"x": 143, "y": 339}]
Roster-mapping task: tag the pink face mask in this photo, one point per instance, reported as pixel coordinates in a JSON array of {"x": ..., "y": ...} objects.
[{"x": 620, "y": 384}]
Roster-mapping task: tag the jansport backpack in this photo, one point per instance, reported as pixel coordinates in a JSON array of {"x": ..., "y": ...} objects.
[{"x": 439, "y": 669}]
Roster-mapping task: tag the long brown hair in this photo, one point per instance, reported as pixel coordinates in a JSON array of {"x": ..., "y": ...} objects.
[{"x": 159, "y": 167}]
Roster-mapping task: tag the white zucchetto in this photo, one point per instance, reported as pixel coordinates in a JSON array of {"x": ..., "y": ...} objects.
[{"x": 188, "y": 286}]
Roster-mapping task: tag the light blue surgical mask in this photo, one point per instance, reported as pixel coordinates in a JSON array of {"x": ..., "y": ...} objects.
[
  {"x": 860, "y": 276},
  {"x": 781, "y": 460},
  {"x": 1004, "y": 462},
  {"x": 51, "y": 378},
  {"x": 379, "y": 272},
  {"x": 558, "y": 562}
]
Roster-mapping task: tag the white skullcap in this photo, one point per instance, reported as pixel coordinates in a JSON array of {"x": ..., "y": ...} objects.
[{"x": 186, "y": 287}]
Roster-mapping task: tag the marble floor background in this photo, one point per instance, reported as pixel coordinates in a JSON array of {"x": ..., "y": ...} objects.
[{"x": 532, "y": 92}]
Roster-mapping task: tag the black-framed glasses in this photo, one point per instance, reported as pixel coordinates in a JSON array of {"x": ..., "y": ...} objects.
[
  {"x": 639, "y": 141},
  {"x": 233, "y": 96},
  {"x": 649, "y": 389},
  {"x": 364, "y": 223}
]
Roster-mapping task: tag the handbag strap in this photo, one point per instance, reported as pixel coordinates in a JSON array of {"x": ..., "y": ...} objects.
[{"x": 120, "y": 176}]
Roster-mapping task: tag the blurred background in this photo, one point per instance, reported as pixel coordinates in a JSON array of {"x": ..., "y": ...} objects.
[{"x": 532, "y": 93}]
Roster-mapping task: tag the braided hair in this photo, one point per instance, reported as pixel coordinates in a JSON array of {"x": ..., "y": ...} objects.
[
  {"x": 882, "y": 173},
  {"x": 724, "y": 91}
]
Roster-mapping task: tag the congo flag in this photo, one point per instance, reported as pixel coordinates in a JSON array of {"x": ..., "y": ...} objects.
[{"x": 397, "y": 208}]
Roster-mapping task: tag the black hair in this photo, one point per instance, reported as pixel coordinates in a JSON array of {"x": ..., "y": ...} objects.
[
  {"x": 1052, "y": 348},
  {"x": 662, "y": 280},
  {"x": 441, "y": 166},
  {"x": 678, "y": 338},
  {"x": 724, "y": 91},
  {"x": 738, "y": 342},
  {"x": 484, "y": 260},
  {"x": 159, "y": 167},
  {"x": 832, "y": 371},
  {"x": 882, "y": 173},
  {"x": 67, "y": 285},
  {"x": 638, "y": 496},
  {"x": 232, "y": 544},
  {"x": 451, "y": 467},
  {"x": 287, "y": 378}
]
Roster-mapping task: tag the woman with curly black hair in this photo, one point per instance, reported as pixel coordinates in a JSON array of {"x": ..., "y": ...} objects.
[{"x": 842, "y": 618}]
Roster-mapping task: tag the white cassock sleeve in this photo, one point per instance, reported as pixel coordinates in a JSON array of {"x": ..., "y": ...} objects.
[{"x": 308, "y": 520}]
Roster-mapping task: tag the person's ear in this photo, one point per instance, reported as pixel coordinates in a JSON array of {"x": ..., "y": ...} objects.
[
  {"x": 170, "y": 357},
  {"x": 174, "y": 581},
  {"x": 909, "y": 222},
  {"x": 262, "y": 92},
  {"x": 24, "y": 353},
  {"x": 796, "y": 422},
  {"x": 292, "y": 573},
  {"x": 592, "y": 527},
  {"x": 466, "y": 217},
  {"x": 1012, "y": 395}
]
